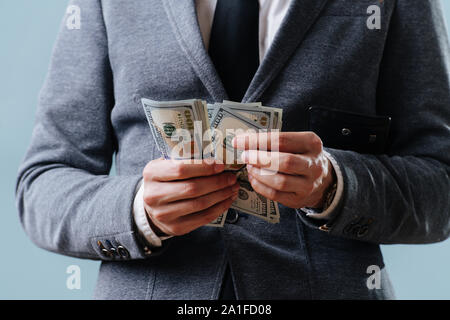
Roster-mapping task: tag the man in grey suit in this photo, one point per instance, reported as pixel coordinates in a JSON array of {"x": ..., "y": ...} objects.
[{"x": 364, "y": 159}]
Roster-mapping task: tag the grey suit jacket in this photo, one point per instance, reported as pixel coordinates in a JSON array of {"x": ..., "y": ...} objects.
[{"x": 388, "y": 87}]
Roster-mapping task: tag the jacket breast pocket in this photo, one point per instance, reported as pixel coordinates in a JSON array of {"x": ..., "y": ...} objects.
[{"x": 349, "y": 131}]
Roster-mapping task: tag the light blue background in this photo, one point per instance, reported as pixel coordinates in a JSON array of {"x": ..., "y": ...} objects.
[{"x": 27, "y": 33}]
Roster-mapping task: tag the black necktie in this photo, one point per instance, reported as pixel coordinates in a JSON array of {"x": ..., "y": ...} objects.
[
  {"x": 234, "y": 50},
  {"x": 234, "y": 44}
]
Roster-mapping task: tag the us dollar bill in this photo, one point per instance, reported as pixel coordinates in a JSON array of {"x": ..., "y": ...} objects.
[
  {"x": 261, "y": 116},
  {"x": 274, "y": 212},
  {"x": 173, "y": 125},
  {"x": 225, "y": 125},
  {"x": 219, "y": 221},
  {"x": 275, "y": 122},
  {"x": 190, "y": 129},
  {"x": 240, "y": 117},
  {"x": 249, "y": 201}
]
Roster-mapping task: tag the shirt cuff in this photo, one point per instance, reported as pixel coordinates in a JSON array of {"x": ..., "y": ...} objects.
[
  {"x": 141, "y": 220},
  {"x": 311, "y": 213}
]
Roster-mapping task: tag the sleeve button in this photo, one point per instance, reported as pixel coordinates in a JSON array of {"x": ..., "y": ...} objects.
[
  {"x": 362, "y": 231},
  {"x": 105, "y": 252},
  {"x": 112, "y": 249},
  {"x": 123, "y": 252}
]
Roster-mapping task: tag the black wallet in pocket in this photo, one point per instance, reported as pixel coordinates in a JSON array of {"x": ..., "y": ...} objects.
[{"x": 349, "y": 131}]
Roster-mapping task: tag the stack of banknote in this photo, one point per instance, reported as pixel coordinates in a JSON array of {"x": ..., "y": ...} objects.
[{"x": 195, "y": 130}]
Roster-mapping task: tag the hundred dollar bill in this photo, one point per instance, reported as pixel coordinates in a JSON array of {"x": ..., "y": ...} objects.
[
  {"x": 249, "y": 201},
  {"x": 277, "y": 120},
  {"x": 178, "y": 127},
  {"x": 249, "y": 104},
  {"x": 268, "y": 117},
  {"x": 212, "y": 108},
  {"x": 276, "y": 113},
  {"x": 173, "y": 121},
  {"x": 226, "y": 124},
  {"x": 220, "y": 221},
  {"x": 274, "y": 212},
  {"x": 263, "y": 117}
]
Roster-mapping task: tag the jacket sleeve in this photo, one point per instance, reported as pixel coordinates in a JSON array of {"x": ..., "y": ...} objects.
[
  {"x": 66, "y": 200},
  {"x": 403, "y": 196}
]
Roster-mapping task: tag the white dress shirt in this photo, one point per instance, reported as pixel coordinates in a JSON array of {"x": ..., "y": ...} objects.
[{"x": 271, "y": 15}]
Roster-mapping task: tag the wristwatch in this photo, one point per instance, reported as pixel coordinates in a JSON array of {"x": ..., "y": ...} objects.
[{"x": 329, "y": 197}]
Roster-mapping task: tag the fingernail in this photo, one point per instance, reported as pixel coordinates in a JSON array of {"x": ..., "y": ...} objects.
[{"x": 236, "y": 187}]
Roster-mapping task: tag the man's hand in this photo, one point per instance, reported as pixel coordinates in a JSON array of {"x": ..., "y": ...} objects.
[
  {"x": 302, "y": 173},
  {"x": 180, "y": 197}
]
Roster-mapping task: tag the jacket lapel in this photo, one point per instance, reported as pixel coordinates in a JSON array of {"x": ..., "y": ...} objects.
[
  {"x": 183, "y": 19},
  {"x": 299, "y": 18}
]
